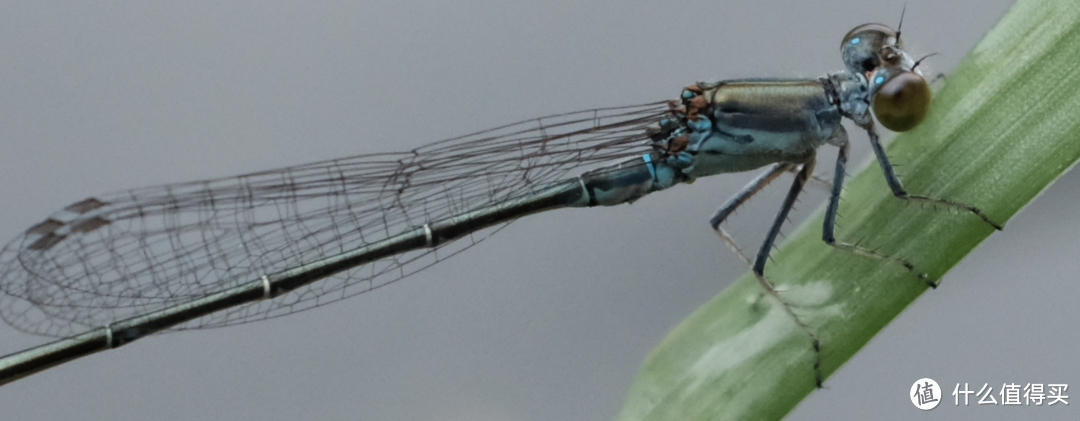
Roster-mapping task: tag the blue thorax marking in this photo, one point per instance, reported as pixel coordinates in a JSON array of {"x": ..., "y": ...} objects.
[{"x": 652, "y": 167}]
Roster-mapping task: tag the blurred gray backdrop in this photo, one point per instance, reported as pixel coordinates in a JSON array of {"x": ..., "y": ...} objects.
[{"x": 549, "y": 319}]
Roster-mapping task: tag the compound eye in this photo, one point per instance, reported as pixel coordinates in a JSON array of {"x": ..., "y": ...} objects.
[
  {"x": 902, "y": 101},
  {"x": 863, "y": 47}
]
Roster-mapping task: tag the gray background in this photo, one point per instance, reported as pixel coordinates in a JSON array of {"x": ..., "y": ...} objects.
[{"x": 548, "y": 320}]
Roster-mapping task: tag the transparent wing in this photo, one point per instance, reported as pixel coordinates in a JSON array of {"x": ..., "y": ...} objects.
[{"x": 131, "y": 252}]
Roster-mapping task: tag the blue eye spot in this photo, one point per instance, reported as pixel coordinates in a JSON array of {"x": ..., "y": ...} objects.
[
  {"x": 855, "y": 41},
  {"x": 879, "y": 79}
]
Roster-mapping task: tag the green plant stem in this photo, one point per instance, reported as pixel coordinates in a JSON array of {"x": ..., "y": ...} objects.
[{"x": 1005, "y": 126}]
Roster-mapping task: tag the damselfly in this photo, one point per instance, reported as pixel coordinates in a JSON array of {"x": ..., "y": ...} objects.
[{"x": 234, "y": 250}]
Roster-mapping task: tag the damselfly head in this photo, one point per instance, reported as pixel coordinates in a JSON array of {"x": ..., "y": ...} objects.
[{"x": 900, "y": 95}]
